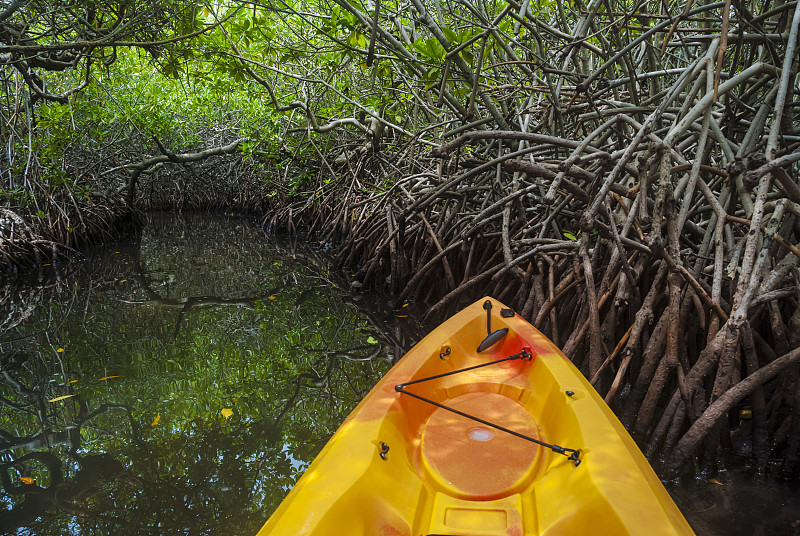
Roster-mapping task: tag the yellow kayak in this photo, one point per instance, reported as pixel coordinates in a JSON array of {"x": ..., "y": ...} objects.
[{"x": 483, "y": 428}]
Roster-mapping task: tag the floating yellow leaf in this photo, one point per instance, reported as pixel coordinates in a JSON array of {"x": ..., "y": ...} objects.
[
  {"x": 715, "y": 481},
  {"x": 155, "y": 421},
  {"x": 60, "y": 350},
  {"x": 62, "y": 397},
  {"x": 27, "y": 479},
  {"x": 73, "y": 381},
  {"x": 402, "y": 316},
  {"x": 226, "y": 412},
  {"x": 104, "y": 378},
  {"x": 272, "y": 297}
]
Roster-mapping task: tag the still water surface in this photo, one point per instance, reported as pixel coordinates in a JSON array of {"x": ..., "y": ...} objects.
[{"x": 180, "y": 382}]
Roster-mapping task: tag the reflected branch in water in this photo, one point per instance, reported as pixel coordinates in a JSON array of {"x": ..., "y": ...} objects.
[{"x": 149, "y": 396}]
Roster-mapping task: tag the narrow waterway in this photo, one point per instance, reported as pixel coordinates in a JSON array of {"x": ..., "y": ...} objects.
[{"x": 180, "y": 382}]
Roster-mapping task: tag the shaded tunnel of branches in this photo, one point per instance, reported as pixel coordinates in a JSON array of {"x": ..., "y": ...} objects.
[{"x": 626, "y": 177}]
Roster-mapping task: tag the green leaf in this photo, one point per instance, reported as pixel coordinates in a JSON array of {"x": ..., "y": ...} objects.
[{"x": 357, "y": 40}]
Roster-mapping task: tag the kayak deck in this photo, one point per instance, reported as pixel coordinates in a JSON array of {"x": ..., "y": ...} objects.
[{"x": 401, "y": 465}]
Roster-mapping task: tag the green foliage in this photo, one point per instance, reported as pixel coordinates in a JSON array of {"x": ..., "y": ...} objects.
[{"x": 430, "y": 49}]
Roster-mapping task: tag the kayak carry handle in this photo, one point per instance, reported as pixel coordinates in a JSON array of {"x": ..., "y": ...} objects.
[{"x": 492, "y": 337}]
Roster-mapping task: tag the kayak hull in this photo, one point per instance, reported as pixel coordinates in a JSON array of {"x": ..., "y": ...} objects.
[{"x": 401, "y": 465}]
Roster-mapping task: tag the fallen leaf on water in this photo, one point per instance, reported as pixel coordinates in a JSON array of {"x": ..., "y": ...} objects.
[
  {"x": 226, "y": 412},
  {"x": 73, "y": 381},
  {"x": 62, "y": 397},
  {"x": 715, "y": 481},
  {"x": 104, "y": 378},
  {"x": 27, "y": 479},
  {"x": 402, "y": 316},
  {"x": 155, "y": 421},
  {"x": 272, "y": 297},
  {"x": 60, "y": 350}
]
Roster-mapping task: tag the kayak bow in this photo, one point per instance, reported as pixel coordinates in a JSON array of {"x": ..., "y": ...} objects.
[{"x": 480, "y": 432}]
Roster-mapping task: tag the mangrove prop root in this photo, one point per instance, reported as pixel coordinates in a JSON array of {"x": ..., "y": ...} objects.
[{"x": 641, "y": 214}]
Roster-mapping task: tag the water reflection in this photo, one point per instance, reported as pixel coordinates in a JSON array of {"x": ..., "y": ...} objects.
[
  {"x": 180, "y": 384},
  {"x": 176, "y": 384}
]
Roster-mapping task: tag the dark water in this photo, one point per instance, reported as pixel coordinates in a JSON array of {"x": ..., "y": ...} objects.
[
  {"x": 736, "y": 504},
  {"x": 180, "y": 383}
]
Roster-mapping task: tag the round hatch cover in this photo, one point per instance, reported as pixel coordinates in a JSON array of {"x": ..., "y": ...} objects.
[{"x": 472, "y": 460}]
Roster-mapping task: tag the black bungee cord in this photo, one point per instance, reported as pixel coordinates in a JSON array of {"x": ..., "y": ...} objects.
[{"x": 571, "y": 454}]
